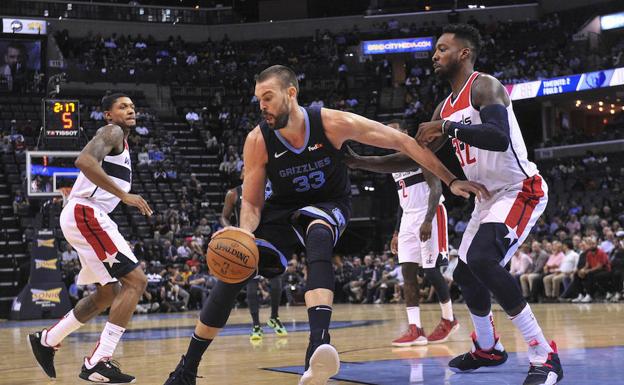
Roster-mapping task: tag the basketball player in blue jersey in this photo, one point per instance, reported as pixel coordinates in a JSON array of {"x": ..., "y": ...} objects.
[
  {"x": 105, "y": 257},
  {"x": 479, "y": 119},
  {"x": 231, "y": 209},
  {"x": 298, "y": 150}
]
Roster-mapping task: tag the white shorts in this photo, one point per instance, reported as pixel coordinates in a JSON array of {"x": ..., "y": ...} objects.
[
  {"x": 411, "y": 249},
  {"x": 517, "y": 206},
  {"x": 104, "y": 253}
]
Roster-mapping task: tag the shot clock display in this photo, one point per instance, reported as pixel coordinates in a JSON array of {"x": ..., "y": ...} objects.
[{"x": 62, "y": 118}]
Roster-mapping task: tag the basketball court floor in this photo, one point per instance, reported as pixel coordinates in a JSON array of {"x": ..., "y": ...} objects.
[{"x": 590, "y": 339}]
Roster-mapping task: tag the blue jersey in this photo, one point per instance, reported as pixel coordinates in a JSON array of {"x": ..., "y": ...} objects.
[{"x": 311, "y": 174}]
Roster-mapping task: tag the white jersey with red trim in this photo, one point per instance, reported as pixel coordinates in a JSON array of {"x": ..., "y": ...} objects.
[
  {"x": 413, "y": 191},
  {"x": 119, "y": 168},
  {"x": 494, "y": 169}
]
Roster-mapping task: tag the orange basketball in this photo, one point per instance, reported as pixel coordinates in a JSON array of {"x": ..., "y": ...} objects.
[{"x": 232, "y": 256}]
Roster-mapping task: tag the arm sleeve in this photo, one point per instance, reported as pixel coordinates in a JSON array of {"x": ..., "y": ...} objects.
[
  {"x": 492, "y": 134},
  {"x": 399, "y": 214}
]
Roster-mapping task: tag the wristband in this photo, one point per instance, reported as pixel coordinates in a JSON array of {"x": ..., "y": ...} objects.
[{"x": 451, "y": 183}]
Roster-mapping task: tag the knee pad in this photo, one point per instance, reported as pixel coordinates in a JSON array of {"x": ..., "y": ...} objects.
[
  {"x": 216, "y": 311},
  {"x": 319, "y": 249}
]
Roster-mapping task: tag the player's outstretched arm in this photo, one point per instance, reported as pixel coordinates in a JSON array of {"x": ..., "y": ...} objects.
[
  {"x": 398, "y": 162},
  {"x": 489, "y": 95},
  {"x": 382, "y": 164},
  {"x": 255, "y": 160},
  {"x": 341, "y": 126},
  {"x": 89, "y": 162}
]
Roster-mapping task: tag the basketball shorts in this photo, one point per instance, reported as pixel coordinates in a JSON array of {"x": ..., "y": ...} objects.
[
  {"x": 516, "y": 206},
  {"x": 430, "y": 253},
  {"x": 104, "y": 253},
  {"x": 282, "y": 230}
]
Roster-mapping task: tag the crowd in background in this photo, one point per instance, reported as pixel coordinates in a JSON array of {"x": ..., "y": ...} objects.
[{"x": 575, "y": 252}]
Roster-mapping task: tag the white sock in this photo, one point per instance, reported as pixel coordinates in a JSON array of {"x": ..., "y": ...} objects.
[
  {"x": 447, "y": 310},
  {"x": 484, "y": 328},
  {"x": 413, "y": 316},
  {"x": 57, "y": 333},
  {"x": 533, "y": 335},
  {"x": 106, "y": 345}
]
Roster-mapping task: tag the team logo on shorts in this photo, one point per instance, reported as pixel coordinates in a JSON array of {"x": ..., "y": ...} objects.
[{"x": 339, "y": 217}]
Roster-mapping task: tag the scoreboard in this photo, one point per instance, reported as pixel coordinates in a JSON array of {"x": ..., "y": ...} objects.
[{"x": 61, "y": 118}]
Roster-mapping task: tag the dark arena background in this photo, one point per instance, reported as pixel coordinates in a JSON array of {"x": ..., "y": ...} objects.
[{"x": 190, "y": 66}]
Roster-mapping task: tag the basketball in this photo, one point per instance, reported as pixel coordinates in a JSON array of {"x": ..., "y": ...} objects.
[{"x": 232, "y": 256}]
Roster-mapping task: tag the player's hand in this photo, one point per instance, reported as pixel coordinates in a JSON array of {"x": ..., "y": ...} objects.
[
  {"x": 429, "y": 131},
  {"x": 425, "y": 230},
  {"x": 464, "y": 188},
  {"x": 138, "y": 202},
  {"x": 234, "y": 229},
  {"x": 351, "y": 158},
  {"x": 394, "y": 244}
]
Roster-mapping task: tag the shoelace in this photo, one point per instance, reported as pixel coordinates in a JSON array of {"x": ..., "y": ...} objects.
[{"x": 113, "y": 364}]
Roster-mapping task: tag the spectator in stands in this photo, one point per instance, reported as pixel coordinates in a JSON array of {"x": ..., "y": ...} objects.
[
  {"x": 293, "y": 284},
  {"x": 184, "y": 251},
  {"x": 143, "y": 157},
  {"x": 520, "y": 262},
  {"x": 169, "y": 252},
  {"x": 551, "y": 268},
  {"x": 562, "y": 275},
  {"x": 210, "y": 140},
  {"x": 96, "y": 114},
  {"x": 141, "y": 130},
  {"x": 528, "y": 280},
  {"x": 616, "y": 259},
  {"x": 608, "y": 244},
  {"x": 595, "y": 275},
  {"x": 573, "y": 225},
  {"x": 192, "y": 118},
  {"x": 20, "y": 203},
  {"x": 160, "y": 174},
  {"x": 195, "y": 186},
  {"x": 69, "y": 254}
]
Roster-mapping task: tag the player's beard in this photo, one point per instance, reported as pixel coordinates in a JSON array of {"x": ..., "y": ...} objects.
[
  {"x": 446, "y": 73},
  {"x": 280, "y": 120}
]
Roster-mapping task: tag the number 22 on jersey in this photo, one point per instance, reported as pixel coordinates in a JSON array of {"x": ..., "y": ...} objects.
[{"x": 463, "y": 152}]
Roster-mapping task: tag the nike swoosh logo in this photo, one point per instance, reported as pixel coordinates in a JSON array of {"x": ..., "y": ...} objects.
[{"x": 280, "y": 154}]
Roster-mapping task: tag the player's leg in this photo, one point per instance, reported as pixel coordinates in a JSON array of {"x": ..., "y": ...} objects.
[
  {"x": 414, "y": 335},
  {"x": 437, "y": 247},
  {"x": 121, "y": 264},
  {"x": 45, "y": 343},
  {"x": 409, "y": 254},
  {"x": 214, "y": 314},
  {"x": 491, "y": 249},
  {"x": 276, "y": 298},
  {"x": 321, "y": 360},
  {"x": 487, "y": 349},
  {"x": 254, "y": 309}
]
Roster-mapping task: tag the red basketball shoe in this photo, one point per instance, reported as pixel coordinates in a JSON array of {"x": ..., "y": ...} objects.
[
  {"x": 414, "y": 336},
  {"x": 443, "y": 331}
]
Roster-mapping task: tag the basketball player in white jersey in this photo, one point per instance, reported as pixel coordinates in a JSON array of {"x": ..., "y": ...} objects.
[
  {"x": 479, "y": 119},
  {"x": 418, "y": 242},
  {"x": 107, "y": 260}
]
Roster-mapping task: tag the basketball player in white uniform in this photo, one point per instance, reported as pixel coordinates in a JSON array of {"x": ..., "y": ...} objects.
[
  {"x": 107, "y": 260},
  {"x": 479, "y": 119},
  {"x": 421, "y": 236}
]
